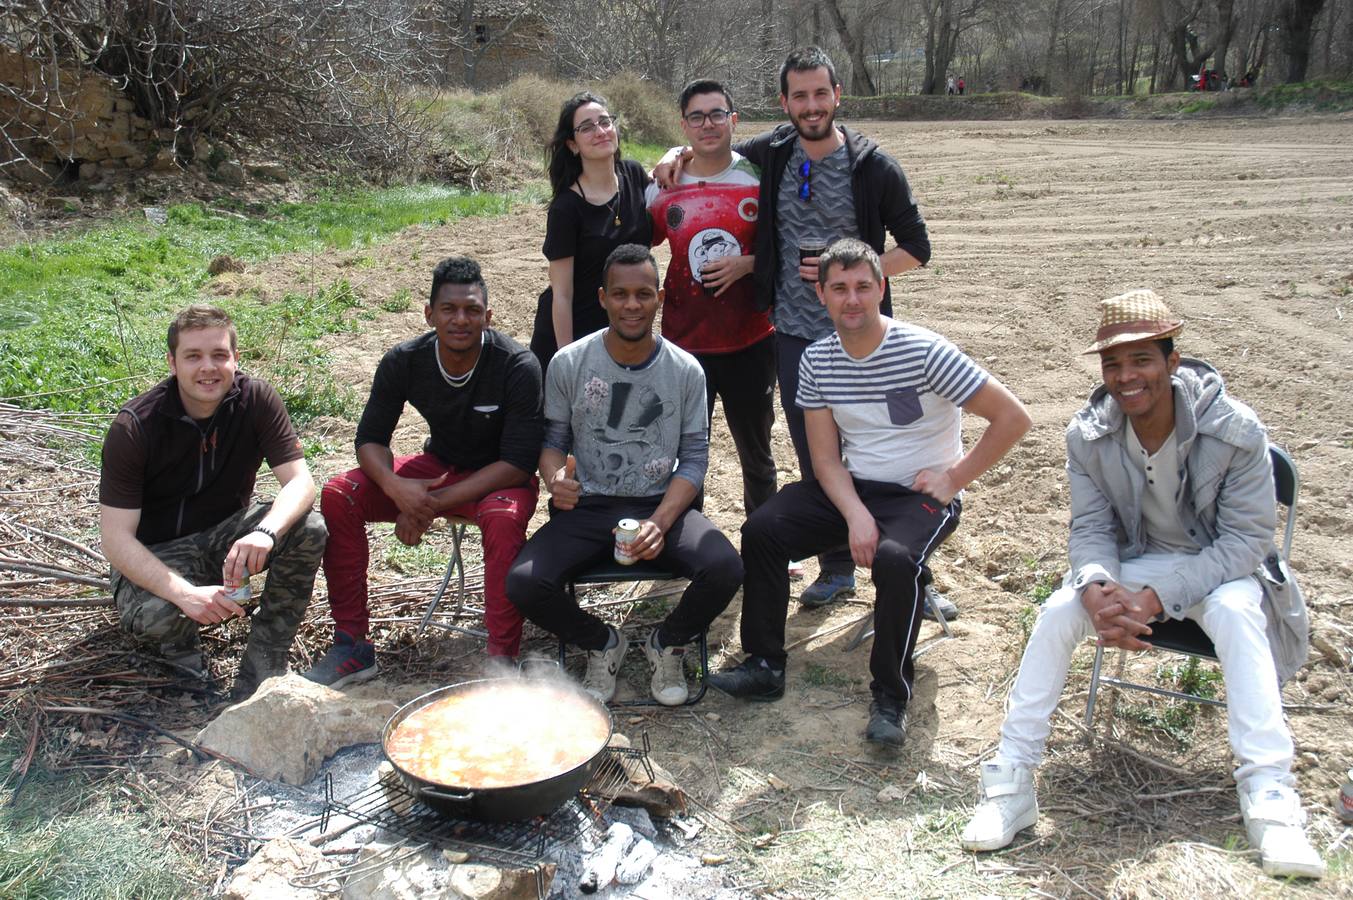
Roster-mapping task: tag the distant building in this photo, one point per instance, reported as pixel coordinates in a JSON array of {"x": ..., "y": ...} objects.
[{"x": 492, "y": 41}]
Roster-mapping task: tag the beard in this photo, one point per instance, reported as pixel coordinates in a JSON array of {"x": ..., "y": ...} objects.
[{"x": 816, "y": 132}]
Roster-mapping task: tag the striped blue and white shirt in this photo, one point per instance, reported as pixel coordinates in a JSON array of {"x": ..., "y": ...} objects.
[{"x": 897, "y": 409}]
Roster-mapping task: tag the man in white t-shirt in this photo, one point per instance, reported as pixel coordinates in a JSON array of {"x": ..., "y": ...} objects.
[{"x": 881, "y": 402}]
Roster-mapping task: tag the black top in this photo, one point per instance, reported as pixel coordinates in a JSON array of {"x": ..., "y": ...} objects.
[
  {"x": 588, "y": 233},
  {"x": 495, "y": 416},
  {"x": 187, "y": 475}
]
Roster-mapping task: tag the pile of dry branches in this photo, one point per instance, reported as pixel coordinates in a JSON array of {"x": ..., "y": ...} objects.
[{"x": 327, "y": 77}]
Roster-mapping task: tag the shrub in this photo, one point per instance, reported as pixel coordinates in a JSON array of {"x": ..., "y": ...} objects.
[
  {"x": 648, "y": 112},
  {"x": 532, "y": 104},
  {"x": 515, "y": 122}
]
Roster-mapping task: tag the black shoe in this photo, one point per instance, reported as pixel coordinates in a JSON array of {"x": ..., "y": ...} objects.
[
  {"x": 887, "y": 721},
  {"x": 751, "y": 679}
]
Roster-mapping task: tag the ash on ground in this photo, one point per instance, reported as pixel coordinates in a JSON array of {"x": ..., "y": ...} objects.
[{"x": 296, "y": 812}]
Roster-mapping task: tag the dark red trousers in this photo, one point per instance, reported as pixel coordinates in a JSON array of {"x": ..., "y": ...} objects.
[{"x": 350, "y": 500}]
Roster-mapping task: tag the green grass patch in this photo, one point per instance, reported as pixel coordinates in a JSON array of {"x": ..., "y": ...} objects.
[
  {"x": 1027, "y": 615},
  {"x": 1196, "y": 106},
  {"x": 93, "y": 307},
  {"x": 1176, "y": 718},
  {"x": 68, "y": 837},
  {"x": 1322, "y": 95},
  {"x": 815, "y": 675},
  {"x": 1043, "y": 588},
  {"x": 999, "y": 178},
  {"x": 425, "y": 559},
  {"x": 646, "y": 154},
  {"x": 400, "y": 301}
]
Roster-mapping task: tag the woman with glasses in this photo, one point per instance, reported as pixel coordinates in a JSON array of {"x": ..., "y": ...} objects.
[{"x": 598, "y": 205}]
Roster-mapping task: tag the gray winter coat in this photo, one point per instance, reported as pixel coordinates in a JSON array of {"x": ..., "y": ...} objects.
[{"x": 1226, "y": 504}]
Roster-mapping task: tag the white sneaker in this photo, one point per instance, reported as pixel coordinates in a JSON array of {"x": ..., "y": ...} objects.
[
  {"x": 602, "y": 666},
  {"x": 1274, "y": 822},
  {"x": 669, "y": 671},
  {"x": 1008, "y": 806}
]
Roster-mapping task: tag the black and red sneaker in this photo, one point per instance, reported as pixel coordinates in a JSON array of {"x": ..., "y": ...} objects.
[{"x": 348, "y": 661}]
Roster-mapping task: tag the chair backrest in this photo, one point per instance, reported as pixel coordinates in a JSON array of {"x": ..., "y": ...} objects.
[{"x": 1286, "y": 486}]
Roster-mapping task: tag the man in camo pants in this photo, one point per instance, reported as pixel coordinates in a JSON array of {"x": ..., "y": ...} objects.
[{"x": 176, "y": 516}]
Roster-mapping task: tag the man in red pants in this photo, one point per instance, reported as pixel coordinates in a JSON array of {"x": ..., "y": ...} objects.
[{"x": 480, "y": 393}]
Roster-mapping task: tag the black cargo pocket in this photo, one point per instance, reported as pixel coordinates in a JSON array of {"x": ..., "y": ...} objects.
[{"x": 904, "y": 406}]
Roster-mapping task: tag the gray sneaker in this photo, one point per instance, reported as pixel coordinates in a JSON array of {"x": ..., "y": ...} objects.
[
  {"x": 602, "y": 666},
  {"x": 669, "y": 672},
  {"x": 826, "y": 589},
  {"x": 934, "y": 600}
]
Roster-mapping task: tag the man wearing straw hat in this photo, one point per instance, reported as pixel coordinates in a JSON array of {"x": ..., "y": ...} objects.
[{"x": 1172, "y": 517}]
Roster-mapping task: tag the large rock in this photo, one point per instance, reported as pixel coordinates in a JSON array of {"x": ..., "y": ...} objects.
[
  {"x": 267, "y": 875},
  {"x": 271, "y": 170},
  {"x": 230, "y": 172},
  {"x": 409, "y": 878},
  {"x": 286, "y": 730},
  {"x": 480, "y": 882}
]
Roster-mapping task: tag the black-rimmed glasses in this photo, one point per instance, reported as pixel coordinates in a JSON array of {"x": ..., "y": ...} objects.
[
  {"x": 806, "y": 186},
  {"x": 713, "y": 117},
  {"x": 592, "y": 125}
]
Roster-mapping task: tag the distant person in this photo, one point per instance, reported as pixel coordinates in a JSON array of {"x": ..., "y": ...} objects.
[
  {"x": 949, "y": 86},
  {"x": 176, "y": 514},
  {"x": 961, "y": 87},
  {"x": 820, "y": 181},
  {"x": 1172, "y": 518},
  {"x": 479, "y": 392},
  {"x": 709, "y": 305},
  {"x": 630, "y": 406},
  {"x": 892, "y": 395},
  {"x": 598, "y": 205}
]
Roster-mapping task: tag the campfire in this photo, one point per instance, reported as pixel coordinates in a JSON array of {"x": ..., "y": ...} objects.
[{"x": 365, "y": 827}]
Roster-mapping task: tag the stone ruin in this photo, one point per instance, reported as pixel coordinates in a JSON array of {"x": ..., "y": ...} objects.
[{"x": 70, "y": 124}]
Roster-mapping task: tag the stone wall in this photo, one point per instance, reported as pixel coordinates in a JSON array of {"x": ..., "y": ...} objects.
[{"x": 71, "y": 124}]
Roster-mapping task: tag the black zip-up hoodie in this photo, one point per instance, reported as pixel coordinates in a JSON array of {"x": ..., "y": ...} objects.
[
  {"x": 187, "y": 475},
  {"x": 883, "y": 202}
]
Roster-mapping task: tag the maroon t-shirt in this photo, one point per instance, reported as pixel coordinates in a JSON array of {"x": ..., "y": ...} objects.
[{"x": 187, "y": 475}]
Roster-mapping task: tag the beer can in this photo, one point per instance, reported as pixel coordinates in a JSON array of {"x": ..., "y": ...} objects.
[
  {"x": 1346, "y": 798},
  {"x": 238, "y": 592},
  {"x": 625, "y": 532}
]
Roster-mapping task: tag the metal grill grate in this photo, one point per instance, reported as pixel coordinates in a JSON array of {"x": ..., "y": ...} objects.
[{"x": 391, "y": 806}]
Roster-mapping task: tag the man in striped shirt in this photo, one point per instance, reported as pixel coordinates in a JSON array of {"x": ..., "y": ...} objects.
[{"x": 882, "y": 402}]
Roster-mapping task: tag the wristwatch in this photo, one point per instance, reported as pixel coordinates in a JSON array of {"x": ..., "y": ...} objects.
[{"x": 268, "y": 531}]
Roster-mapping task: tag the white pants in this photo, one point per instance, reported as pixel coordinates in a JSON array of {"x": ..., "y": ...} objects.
[{"x": 1231, "y": 616}]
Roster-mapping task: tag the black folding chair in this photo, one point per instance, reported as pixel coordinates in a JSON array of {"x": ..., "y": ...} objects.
[{"x": 611, "y": 572}]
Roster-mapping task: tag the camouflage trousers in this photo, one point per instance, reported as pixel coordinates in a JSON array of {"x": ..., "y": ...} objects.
[{"x": 199, "y": 557}]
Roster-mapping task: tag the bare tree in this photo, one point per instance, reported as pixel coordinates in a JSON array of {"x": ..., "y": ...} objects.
[
  {"x": 1297, "y": 18},
  {"x": 853, "y": 39},
  {"x": 665, "y": 41},
  {"x": 330, "y": 74},
  {"x": 946, "y": 20},
  {"x": 1226, "y": 31}
]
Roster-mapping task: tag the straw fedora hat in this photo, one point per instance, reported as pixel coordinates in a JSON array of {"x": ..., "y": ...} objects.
[{"x": 1138, "y": 315}]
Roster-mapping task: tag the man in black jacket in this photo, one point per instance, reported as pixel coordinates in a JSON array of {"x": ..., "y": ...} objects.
[
  {"x": 821, "y": 181},
  {"x": 177, "y": 514}
]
